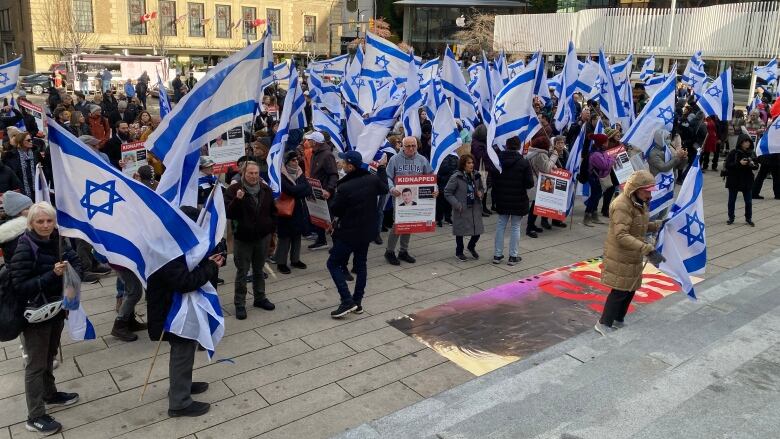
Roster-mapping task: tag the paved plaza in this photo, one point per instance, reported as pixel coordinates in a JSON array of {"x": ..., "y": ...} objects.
[{"x": 297, "y": 373}]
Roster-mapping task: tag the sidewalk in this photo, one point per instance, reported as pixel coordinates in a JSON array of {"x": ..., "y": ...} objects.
[{"x": 295, "y": 372}]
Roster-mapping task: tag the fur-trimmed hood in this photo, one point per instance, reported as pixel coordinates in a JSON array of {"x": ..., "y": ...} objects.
[{"x": 12, "y": 229}]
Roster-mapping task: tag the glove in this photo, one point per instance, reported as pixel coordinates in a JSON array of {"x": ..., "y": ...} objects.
[{"x": 655, "y": 258}]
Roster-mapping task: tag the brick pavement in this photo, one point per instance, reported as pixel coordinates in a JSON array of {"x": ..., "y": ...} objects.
[{"x": 295, "y": 372}]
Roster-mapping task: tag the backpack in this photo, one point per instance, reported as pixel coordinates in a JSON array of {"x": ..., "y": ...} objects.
[{"x": 12, "y": 321}]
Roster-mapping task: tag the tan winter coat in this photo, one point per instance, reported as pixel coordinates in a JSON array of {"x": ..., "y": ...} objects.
[{"x": 625, "y": 248}]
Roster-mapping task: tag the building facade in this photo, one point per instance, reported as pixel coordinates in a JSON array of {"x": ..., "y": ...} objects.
[{"x": 189, "y": 33}]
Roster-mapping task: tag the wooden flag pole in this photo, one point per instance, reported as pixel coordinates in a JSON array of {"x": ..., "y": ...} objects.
[{"x": 149, "y": 374}]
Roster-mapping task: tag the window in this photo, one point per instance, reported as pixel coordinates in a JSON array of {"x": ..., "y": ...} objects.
[
  {"x": 274, "y": 22},
  {"x": 135, "y": 10},
  {"x": 168, "y": 17},
  {"x": 5, "y": 20},
  {"x": 248, "y": 17},
  {"x": 223, "y": 21},
  {"x": 197, "y": 28},
  {"x": 309, "y": 29},
  {"x": 82, "y": 15}
]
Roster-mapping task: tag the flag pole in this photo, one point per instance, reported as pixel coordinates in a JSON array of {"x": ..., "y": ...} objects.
[{"x": 149, "y": 374}]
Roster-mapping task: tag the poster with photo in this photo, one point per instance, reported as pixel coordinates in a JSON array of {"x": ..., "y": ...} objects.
[
  {"x": 415, "y": 208},
  {"x": 36, "y": 112},
  {"x": 225, "y": 150},
  {"x": 318, "y": 205},
  {"x": 623, "y": 167},
  {"x": 552, "y": 194},
  {"x": 133, "y": 157}
]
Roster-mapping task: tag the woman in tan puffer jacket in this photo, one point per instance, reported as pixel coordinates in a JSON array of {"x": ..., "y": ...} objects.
[{"x": 625, "y": 248}]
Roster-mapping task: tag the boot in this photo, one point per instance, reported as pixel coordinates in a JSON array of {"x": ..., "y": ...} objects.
[
  {"x": 594, "y": 217},
  {"x": 586, "y": 221},
  {"x": 122, "y": 331},
  {"x": 134, "y": 325}
]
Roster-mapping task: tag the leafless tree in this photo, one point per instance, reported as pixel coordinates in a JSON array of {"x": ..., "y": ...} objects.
[
  {"x": 478, "y": 33},
  {"x": 61, "y": 30}
]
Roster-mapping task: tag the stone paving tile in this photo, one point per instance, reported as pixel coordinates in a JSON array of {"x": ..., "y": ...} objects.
[
  {"x": 375, "y": 338},
  {"x": 13, "y": 383},
  {"x": 350, "y": 329},
  {"x": 399, "y": 348},
  {"x": 437, "y": 379},
  {"x": 393, "y": 371}
]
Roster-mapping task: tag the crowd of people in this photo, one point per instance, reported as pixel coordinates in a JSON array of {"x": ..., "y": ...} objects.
[{"x": 268, "y": 233}]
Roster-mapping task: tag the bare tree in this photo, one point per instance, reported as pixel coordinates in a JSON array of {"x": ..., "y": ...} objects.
[
  {"x": 478, "y": 33},
  {"x": 62, "y": 30}
]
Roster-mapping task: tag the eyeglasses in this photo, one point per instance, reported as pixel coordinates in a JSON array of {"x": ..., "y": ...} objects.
[{"x": 28, "y": 140}]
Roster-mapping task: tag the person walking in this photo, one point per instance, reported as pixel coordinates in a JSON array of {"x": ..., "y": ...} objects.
[
  {"x": 354, "y": 227},
  {"x": 251, "y": 207},
  {"x": 739, "y": 167},
  {"x": 510, "y": 193},
  {"x": 464, "y": 192},
  {"x": 625, "y": 249},
  {"x": 599, "y": 166},
  {"x": 408, "y": 162},
  {"x": 291, "y": 227}
]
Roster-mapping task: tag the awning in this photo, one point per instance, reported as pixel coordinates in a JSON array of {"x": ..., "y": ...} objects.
[{"x": 464, "y": 3}]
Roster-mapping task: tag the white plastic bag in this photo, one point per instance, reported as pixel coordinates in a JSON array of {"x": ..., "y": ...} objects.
[{"x": 71, "y": 289}]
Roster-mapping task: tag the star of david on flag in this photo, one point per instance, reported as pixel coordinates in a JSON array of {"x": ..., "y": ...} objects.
[
  {"x": 718, "y": 99},
  {"x": 770, "y": 141},
  {"x": 9, "y": 76},
  {"x": 657, "y": 114},
  {"x": 383, "y": 59},
  {"x": 107, "y": 205}
]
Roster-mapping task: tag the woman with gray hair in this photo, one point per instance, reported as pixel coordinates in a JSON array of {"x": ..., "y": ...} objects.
[{"x": 94, "y": 143}]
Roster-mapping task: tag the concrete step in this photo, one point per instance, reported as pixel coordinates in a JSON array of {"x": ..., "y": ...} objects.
[{"x": 675, "y": 354}]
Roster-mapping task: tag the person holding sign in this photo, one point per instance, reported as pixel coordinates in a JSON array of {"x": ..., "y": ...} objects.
[
  {"x": 543, "y": 161},
  {"x": 599, "y": 168},
  {"x": 464, "y": 192}
]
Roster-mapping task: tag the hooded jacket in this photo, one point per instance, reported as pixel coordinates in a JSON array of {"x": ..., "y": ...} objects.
[
  {"x": 625, "y": 248},
  {"x": 510, "y": 187},
  {"x": 656, "y": 160}
]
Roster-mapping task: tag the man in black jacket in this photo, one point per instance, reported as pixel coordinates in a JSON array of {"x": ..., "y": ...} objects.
[
  {"x": 354, "y": 227},
  {"x": 113, "y": 147}
]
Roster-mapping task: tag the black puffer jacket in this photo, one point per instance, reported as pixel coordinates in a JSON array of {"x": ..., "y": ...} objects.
[
  {"x": 298, "y": 223},
  {"x": 740, "y": 177},
  {"x": 448, "y": 167},
  {"x": 254, "y": 217},
  {"x": 172, "y": 277},
  {"x": 510, "y": 187},
  {"x": 355, "y": 206},
  {"x": 32, "y": 266}
]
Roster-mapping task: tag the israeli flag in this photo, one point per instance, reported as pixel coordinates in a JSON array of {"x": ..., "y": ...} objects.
[
  {"x": 428, "y": 71},
  {"x": 282, "y": 71},
  {"x": 769, "y": 72},
  {"x": 682, "y": 241},
  {"x": 332, "y": 67},
  {"x": 453, "y": 86},
  {"x": 323, "y": 120},
  {"x": 123, "y": 220},
  {"x": 352, "y": 82},
  {"x": 165, "y": 104},
  {"x": 609, "y": 94},
  {"x": 42, "y": 192},
  {"x": 445, "y": 138},
  {"x": 434, "y": 98},
  {"x": 657, "y": 114},
  {"x": 373, "y": 94},
  {"x": 513, "y": 113},
  {"x": 573, "y": 165},
  {"x": 412, "y": 103},
  {"x": 9, "y": 76},
  {"x": 384, "y": 59},
  {"x": 770, "y": 141},
  {"x": 753, "y": 104},
  {"x": 663, "y": 196},
  {"x": 718, "y": 99},
  {"x": 502, "y": 68},
  {"x": 694, "y": 75},
  {"x": 376, "y": 127},
  {"x": 354, "y": 125},
  {"x": 587, "y": 77},
  {"x": 494, "y": 79},
  {"x": 292, "y": 118},
  {"x": 556, "y": 84},
  {"x": 325, "y": 94},
  {"x": 541, "y": 88},
  {"x": 648, "y": 69},
  {"x": 566, "y": 111},
  {"x": 226, "y": 97},
  {"x": 79, "y": 326},
  {"x": 515, "y": 68},
  {"x": 481, "y": 91},
  {"x": 654, "y": 83}
]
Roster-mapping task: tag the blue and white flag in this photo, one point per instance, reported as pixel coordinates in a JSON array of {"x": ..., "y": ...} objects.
[
  {"x": 663, "y": 196},
  {"x": 573, "y": 165},
  {"x": 428, "y": 71},
  {"x": 354, "y": 125},
  {"x": 515, "y": 68},
  {"x": 323, "y": 120},
  {"x": 555, "y": 84},
  {"x": 769, "y": 72},
  {"x": 226, "y": 97},
  {"x": 654, "y": 83},
  {"x": 434, "y": 98},
  {"x": 609, "y": 94},
  {"x": 494, "y": 79},
  {"x": 682, "y": 241},
  {"x": 352, "y": 81},
  {"x": 331, "y": 67},
  {"x": 587, "y": 77},
  {"x": 541, "y": 88},
  {"x": 513, "y": 113},
  {"x": 453, "y": 86},
  {"x": 42, "y": 192},
  {"x": 770, "y": 141},
  {"x": 374, "y": 93},
  {"x": 292, "y": 118},
  {"x": 648, "y": 69},
  {"x": 502, "y": 68},
  {"x": 15, "y": 106},
  {"x": 282, "y": 71},
  {"x": 694, "y": 75},
  {"x": 481, "y": 91},
  {"x": 162, "y": 93},
  {"x": 718, "y": 99},
  {"x": 96, "y": 202},
  {"x": 376, "y": 127},
  {"x": 412, "y": 103},
  {"x": 383, "y": 59},
  {"x": 445, "y": 138},
  {"x": 566, "y": 111},
  {"x": 753, "y": 104},
  {"x": 325, "y": 94},
  {"x": 79, "y": 326},
  {"x": 9, "y": 76},
  {"x": 657, "y": 114}
]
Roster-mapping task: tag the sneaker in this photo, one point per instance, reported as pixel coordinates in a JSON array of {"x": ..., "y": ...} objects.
[
  {"x": 758, "y": 197},
  {"x": 311, "y": 237},
  {"x": 603, "y": 329},
  {"x": 264, "y": 304},
  {"x": 474, "y": 253},
  {"x": 348, "y": 276},
  {"x": 560, "y": 224},
  {"x": 299, "y": 265},
  {"x": 271, "y": 259},
  {"x": 198, "y": 387},
  {"x": 283, "y": 269},
  {"x": 240, "y": 312},
  {"x": 497, "y": 259},
  {"x": 730, "y": 221},
  {"x": 220, "y": 281},
  {"x": 358, "y": 309},
  {"x": 343, "y": 310},
  {"x": 513, "y": 260},
  {"x": 391, "y": 259},
  {"x": 90, "y": 278},
  {"x": 750, "y": 223},
  {"x": 319, "y": 246},
  {"x": 378, "y": 240},
  {"x": 406, "y": 257},
  {"x": 546, "y": 224},
  {"x": 617, "y": 324},
  {"x": 461, "y": 257},
  {"x": 195, "y": 409},
  {"x": 62, "y": 398},
  {"x": 45, "y": 425},
  {"x": 532, "y": 234}
]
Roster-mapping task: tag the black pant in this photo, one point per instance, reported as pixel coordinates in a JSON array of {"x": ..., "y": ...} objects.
[
  {"x": 747, "y": 195},
  {"x": 531, "y": 225},
  {"x": 616, "y": 307},
  {"x": 339, "y": 256},
  {"x": 443, "y": 208},
  {"x": 459, "y": 244},
  {"x": 705, "y": 158},
  {"x": 40, "y": 341},
  {"x": 765, "y": 170},
  {"x": 180, "y": 362}
]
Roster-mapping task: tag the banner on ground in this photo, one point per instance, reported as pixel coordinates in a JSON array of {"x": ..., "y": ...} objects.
[
  {"x": 133, "y": 157},
  {"x": 318, "y": 205},
  {"x": 226, "y": 151},
  {"x": 415, "y": 208},
  {"x": 552, "y": 194},
  {"x": 36, "y": 112},
  {"x": 622, "y": 167}
]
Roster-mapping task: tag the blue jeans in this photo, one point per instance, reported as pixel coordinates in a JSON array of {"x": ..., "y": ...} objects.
[
  {"x": 339, "y": 256},
  {"x": 514, "y": 237},
  {"x": 592, "y": 203}
]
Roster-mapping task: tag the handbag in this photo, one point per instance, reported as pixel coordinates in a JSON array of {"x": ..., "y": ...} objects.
[
  {"x": 285, "y": 205},
  {"x": 606, "y": 182}
]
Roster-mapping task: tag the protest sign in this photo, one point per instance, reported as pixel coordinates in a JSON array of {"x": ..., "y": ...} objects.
[
  {"x": 35, "y": 111},
  {"x": 133, "y": 157},
  {"x": 622, "y": 168},
  {"x": 318, "y": 205},
  {"x": 227, "y": 149},
  {"x": 552, "y": 194},
  {"x": 415, "y": 208}
]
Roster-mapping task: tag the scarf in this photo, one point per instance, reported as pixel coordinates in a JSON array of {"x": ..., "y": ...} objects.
[
  {"x": 470, "y": 189},
  {"x": 252, "y": 190},
  {"x": 291, "y": 173},
  {"x": 28, "y": 171}
]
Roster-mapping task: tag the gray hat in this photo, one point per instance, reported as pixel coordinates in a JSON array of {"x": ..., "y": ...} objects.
[
  {"x": 89, "y": 140},
  {"x": 94, "y": 109},
  {"x": 206, "y": 161},
  {"x": 14, "y": 203}
]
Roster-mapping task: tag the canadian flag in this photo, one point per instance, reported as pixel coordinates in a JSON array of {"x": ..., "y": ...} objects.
[
  {"x": 148, "y": 16},
  {"x": 258, "y": 22}
]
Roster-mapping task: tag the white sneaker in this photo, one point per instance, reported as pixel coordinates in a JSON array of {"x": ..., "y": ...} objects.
[{"x": 603, "y": 329}]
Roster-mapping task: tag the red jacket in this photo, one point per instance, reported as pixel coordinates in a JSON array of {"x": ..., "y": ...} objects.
[
  {"x": 711, "y": 143},
  {"x": 98, "y": 126}
]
